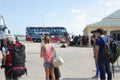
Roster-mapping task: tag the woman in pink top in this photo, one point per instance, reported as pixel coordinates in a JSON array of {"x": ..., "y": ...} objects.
[{"x": 48, "y": 56}]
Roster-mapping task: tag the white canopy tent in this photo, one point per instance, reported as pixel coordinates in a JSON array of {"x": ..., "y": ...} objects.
[{"x": 111, "y": 24}]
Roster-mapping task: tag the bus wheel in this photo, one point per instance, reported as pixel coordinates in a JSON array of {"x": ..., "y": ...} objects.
[{"x": 34, "y": 40}]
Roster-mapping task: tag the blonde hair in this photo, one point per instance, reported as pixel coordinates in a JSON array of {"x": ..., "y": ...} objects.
[
  {"x": 46, "y": 39},
  {"x": 11, "y": 38}
]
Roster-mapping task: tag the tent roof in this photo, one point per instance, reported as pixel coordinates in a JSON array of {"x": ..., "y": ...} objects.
[
  {"x": 115, "y": 15},
  {"x": 107, "y": 22},
  {"x": 111, "y": 20}
]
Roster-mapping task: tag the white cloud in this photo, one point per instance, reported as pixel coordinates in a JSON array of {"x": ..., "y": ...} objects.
[
  {"x": 51, "y": 14},
  {"x": 77, "y": 21},
  {"x": 78, "y": 17},
  {"x": 113, "y": 3},
  {"x": 110, "y": 4},
  {"x": 76, "y": 11}
]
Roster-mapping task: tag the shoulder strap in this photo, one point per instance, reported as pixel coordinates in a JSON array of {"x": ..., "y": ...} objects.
[
  {"x": 10, "y": 47},
  {"x": 104, "y": 40},
  {"x": 53, "y": 50}
]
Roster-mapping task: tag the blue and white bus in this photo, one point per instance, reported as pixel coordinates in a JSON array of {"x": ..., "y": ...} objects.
[{"x": 35, "y": 33}]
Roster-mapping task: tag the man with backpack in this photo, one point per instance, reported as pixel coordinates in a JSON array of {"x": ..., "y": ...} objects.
[
  {"x": 103, "y": 62},
  {"x": 15, "y": 59}
]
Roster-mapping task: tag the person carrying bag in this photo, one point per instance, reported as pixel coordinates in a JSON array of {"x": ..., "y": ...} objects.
[{"x": 57, "y": 59}]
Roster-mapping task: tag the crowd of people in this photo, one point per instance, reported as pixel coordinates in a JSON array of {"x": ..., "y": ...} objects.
[
  {"x": 74, "y": 40},
  {"x": 79, "y": 40},
  {"x": 46, "y": 52}
]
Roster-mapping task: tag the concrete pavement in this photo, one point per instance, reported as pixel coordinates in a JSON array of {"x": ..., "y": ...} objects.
[{"x": 79, "y": 63}]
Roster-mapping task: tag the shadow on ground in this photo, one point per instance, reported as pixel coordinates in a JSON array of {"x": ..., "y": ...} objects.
[
  {"x": 117, "y": 68},
  {"x": 78, "y": 79}
]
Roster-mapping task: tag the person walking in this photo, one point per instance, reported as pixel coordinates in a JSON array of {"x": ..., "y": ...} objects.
[
  {"x": 47, "y": 54},
  {"x": 103, "y": 63}
]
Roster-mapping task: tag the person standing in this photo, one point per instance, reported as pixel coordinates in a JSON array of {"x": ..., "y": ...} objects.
[
  {"x": 7, "y": 57},
  {"x": 42, "y": 42},
  {"x": 4, "y": 51},
  {"x": 96, "y": 64},
  {"x": 48, "y": 56},
  {"x": 103, "y": 63},
  {"x": 67, "y": 39}
]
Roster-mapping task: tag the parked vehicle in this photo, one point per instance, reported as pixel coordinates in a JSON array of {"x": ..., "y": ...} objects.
[
  {"x": 54, "y": 33},
  {"x": 3, "y": 29}
]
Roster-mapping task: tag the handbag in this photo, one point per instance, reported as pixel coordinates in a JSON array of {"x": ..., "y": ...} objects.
[{"x": 57, "y": 59}]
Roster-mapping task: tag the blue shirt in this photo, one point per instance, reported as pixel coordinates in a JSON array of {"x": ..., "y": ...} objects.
[{"x": 100, "y": 43}]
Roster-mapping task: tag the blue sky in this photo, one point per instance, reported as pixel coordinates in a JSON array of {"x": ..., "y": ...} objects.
[{"x": 72, "y": 14}]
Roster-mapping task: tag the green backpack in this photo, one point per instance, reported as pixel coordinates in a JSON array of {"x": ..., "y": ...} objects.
[{"x": 111, "y": 50}]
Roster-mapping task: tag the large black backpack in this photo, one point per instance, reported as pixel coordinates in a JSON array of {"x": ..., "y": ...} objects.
[
  {"x": 16, "y": 60},
  {"x": 107, "y": 51},
  {"x": 111, "y": 51},
  {"x": 115, "y": 47},
  {"x": 18, "y": 55}
]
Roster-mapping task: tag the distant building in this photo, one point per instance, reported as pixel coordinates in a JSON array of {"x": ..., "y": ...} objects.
[{"x": 111, "y": 25}]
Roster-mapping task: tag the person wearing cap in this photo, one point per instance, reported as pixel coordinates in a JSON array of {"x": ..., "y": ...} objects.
[{"x": 103, "y": 63}]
